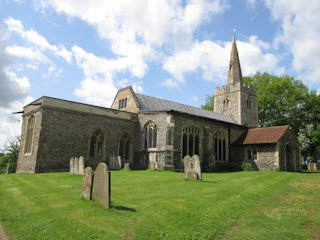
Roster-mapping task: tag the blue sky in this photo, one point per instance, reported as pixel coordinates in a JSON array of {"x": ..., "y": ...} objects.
[{"x": 173, "y": 49}]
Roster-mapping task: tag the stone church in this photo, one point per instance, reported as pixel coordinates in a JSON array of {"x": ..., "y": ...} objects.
[{"x": 138, "y": 129}]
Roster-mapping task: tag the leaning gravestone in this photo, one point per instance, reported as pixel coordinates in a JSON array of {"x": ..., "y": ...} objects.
[
  {"x": 102, "y": 185},
  {"x": 71, "y": 165},
  {"x": 76, "y": 165},
  {"x": 192, "y": 167},
  {"x": 87, "y": 183},
  {"x": 81, "y": 165}
]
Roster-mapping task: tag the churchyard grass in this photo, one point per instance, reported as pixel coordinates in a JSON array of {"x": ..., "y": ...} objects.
[{"x": 162, "y": 205}]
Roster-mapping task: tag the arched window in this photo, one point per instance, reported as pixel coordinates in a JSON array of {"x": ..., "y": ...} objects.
[
  {"x": 190, "y": 141},
  {"x": 248, "y": 104},
  {"x": 124, "y": 147},
  {"x": 221, "y": 145},
  {"x": 29, "y": 135},
  {"x": 226, "y": 103},
  {"x": 96, "y": 142},
  {"x": 150, "y": 135}
]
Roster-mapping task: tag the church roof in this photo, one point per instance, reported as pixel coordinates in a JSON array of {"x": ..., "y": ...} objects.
[
  {"x": 265, "y": 135},
  {"x": 147, "y": 103}
]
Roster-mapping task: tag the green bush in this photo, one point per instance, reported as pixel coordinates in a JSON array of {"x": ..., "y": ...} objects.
[
  {"x": 4, "y": 160},
  {"x": 247, "y": 166}
]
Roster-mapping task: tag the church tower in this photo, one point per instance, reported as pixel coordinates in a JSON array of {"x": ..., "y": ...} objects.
[{"x": 237, "y": 98}]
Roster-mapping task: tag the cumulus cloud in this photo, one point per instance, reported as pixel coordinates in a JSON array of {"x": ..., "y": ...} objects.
[
  {"x": 31, "y": 36},
  {"x": 170, "y": 83},
  {"x": 137, "y": 33},
  {"x": 14, "y": 93},
  {"x": 212, "y": 58},
  {"x": 300, "y": 34}
]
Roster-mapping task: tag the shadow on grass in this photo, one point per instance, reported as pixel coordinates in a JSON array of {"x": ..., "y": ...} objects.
[
  {"x": 204, "y": 181},
  {"x": 122, "y": 208}
]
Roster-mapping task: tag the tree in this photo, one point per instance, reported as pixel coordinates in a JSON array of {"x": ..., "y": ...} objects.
[
  {"x": 11, "y": 150},
  {"x": 284, "y": 100},
  {"x": 209, "y": 105}
]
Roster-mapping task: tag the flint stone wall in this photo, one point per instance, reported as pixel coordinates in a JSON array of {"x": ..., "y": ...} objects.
[{"x": 66, "y": 133}]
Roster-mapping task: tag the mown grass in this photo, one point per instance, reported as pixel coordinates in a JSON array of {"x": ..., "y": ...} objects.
[{"x": 162, "y": 205}]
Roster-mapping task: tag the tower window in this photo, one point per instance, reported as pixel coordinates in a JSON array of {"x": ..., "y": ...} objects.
[
  {"x": 248, "y": 104},
  {"x": 122, "y": 103},
  {"x": 226, "y": 103}
]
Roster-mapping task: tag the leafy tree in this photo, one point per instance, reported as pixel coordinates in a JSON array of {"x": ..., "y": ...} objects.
[
  {"x": 209, "y": 105},
  {"x": 284, "y": 100},
  {"x": 11, "y": 150}
]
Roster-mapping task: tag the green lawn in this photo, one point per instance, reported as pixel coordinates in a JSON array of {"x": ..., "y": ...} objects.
[{"x": 162, "y": 205}]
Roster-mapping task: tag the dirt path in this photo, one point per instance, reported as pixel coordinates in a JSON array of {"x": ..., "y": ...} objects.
[{"x": 3, "y": 235}]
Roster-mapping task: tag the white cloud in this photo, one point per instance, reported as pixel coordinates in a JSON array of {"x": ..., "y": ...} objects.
[
  {"x": 98, "y": 92},
  {"x": 170, "y": 83},
  {"x": 14, "y": 93},
  {"x": 212, "y": 59},
  {"x": 37, "y": 40},
  {"x": 26, "y": 52},
  {"x": 300, "y": 34}
]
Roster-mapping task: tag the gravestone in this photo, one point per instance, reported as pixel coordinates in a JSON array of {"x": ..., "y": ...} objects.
[
  {"x": 102, "y": 185},
  {"x": 71, "y": 165},
  {"x": 126, "y": 166},
  {"x": 192, "y": 167},
  {"x": 197, "y": 166},
  {"x": 81, "y": 165},
  {"x": 87, "y": 184},
  {"x": 76, "y": 165},
  {"x": 119, "y": 162}
]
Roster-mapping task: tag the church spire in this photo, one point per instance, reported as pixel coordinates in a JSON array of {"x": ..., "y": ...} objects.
[{"x": 234, "y": 74}]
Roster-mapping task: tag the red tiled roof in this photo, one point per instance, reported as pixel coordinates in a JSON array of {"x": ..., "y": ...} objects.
[{"x": 265, "y": 135}]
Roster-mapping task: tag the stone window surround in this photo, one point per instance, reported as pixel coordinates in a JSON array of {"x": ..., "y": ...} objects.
[
  {"x": 226, "y": 103},
  {"x": 221, "y": 142},
  {"x": 123, "y": 103},
  {"x": 126, "y": 152},
  {"x": 188, "y": 131},
  {"x": 98, "y": 150},
  {"x": 150, "y": 133}
]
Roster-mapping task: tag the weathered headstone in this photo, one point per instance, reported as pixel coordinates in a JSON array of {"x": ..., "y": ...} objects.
[
  {"x": 102, "y": 185},
  {"x": 71, "y": 165},
  {"x": 126, "y": 166},
  {"x": 192, "y": 167},
  {"x": 76, "y": 165},
  {"x": 87, "y": 183},
  {"x": 81, "y": 165},
  {"x": 119, "y": 162},
  {"x": 197, "y": 166}
]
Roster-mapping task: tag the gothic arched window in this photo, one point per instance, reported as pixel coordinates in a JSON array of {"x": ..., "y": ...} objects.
[
  {"x": 226, "y": 103},
  {"x": 29, "y": 135},
  {"x": 124, "y": 147},
  {"x": 190, "y": 141},
  {"x": 96, "y": 142},
  {"x": 150, "y": 135},
  {"x": 221, "y": 145}
]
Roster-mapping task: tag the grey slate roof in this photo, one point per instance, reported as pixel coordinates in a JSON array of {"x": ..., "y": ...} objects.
[{"x": 148, "y": 103}]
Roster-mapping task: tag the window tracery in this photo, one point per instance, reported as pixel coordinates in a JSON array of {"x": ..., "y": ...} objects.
[
  {"x": 150, "y": 135},
  {"x": 221, "y": 145},
  {"x": 96, "y": 142},
  {"x": 190, "y": 141}
]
